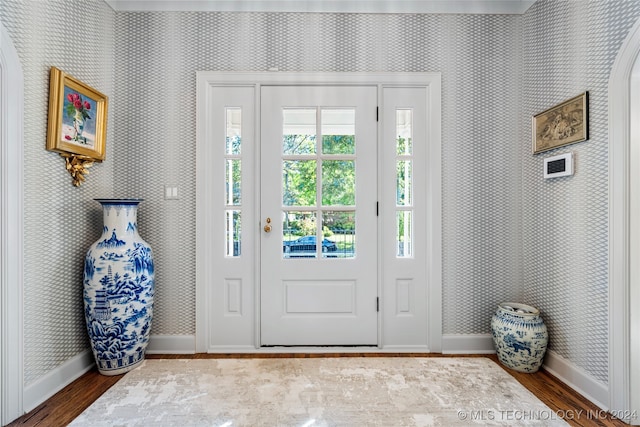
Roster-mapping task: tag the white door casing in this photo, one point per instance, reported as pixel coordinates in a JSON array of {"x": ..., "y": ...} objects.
[
  {"x": 11, "y": 233},
  {"x": 624, "y": 230},
  {"x": 212, "y": 313},
  {"x": 634, "y": 249},
  {"x": 318, "y": 294}
]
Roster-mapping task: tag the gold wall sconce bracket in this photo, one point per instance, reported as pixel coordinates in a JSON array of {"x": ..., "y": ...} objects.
[{"x": 77, "y": 166}]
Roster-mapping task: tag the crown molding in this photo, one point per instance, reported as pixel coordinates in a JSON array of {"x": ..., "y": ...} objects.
[{"x": 327, "y": 6}]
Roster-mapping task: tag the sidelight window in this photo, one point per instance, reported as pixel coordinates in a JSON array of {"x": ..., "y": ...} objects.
[
  {"x": 233, "y": 181},
  {"x": 404, "y": 183}
]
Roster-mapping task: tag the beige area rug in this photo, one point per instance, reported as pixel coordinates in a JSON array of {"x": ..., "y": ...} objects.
[{"x": 371, "y": 391}]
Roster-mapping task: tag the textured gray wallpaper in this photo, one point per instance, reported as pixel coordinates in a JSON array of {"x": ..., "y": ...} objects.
[
  {"x": 507, "y": 235},
  {"x": 570, "y": 47},
  {"x": 60, "y": 220},
  {"x": 480, "y": 57}
]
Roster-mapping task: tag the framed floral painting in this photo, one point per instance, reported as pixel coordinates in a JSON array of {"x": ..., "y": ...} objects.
[{"x": 77, "y": 117}]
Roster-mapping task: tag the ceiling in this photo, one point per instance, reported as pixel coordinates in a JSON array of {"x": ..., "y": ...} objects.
[{"x": 346, "y": 6}]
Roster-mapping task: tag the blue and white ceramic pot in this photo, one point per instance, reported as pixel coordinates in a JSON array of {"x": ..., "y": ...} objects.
[
  {"x": 519, "y": 336},
  {"x": 118, "y": 289}
]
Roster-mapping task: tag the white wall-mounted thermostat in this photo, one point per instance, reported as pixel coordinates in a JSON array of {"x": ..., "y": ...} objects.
[{"x": 557, "y": 166}]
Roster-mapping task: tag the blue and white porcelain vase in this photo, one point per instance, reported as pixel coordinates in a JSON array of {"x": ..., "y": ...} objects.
[
  {"x": 520, "y": 336},
  {"x": 118, "y": 289}
]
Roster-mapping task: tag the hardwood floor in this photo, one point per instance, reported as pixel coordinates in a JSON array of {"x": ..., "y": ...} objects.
[{"x": 71, "y": 401}]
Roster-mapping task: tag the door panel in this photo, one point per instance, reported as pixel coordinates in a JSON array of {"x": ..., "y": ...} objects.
[
  {"x": 318, "y": 208},
  {"x": 314, "y": 296}
]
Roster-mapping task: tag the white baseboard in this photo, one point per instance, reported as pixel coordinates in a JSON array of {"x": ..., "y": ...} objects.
[
  {"x": 172, "y": 344},
  {"x": 55, "y": 380},
  {"x": 577, "y": 379},
  {"x": 467, "y": 344}
]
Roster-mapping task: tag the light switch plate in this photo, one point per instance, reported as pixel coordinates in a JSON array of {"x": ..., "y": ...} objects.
[{"x": 171, "y": 192}]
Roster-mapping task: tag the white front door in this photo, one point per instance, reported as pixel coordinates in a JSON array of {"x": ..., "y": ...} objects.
[
  {"x": 351, "y": 255},
  {"x": 318, "y": 192}
]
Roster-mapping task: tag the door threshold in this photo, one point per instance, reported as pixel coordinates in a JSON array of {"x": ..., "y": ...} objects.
[
  {"x": 320, "y": 347},
  {"x": 320, "y": 350}
]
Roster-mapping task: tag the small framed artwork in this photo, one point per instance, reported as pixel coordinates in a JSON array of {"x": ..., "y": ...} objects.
[
  {"x": 564, "y": 124},
  {"x": 77, "y": 117}
]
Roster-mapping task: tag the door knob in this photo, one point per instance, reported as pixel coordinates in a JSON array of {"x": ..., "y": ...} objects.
[{"x": 267, "y": 228}]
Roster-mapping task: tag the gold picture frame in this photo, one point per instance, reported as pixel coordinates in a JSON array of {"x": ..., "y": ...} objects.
[
  {"x": 77, "y": 125},
  {"x": 564, "y": 124}
]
